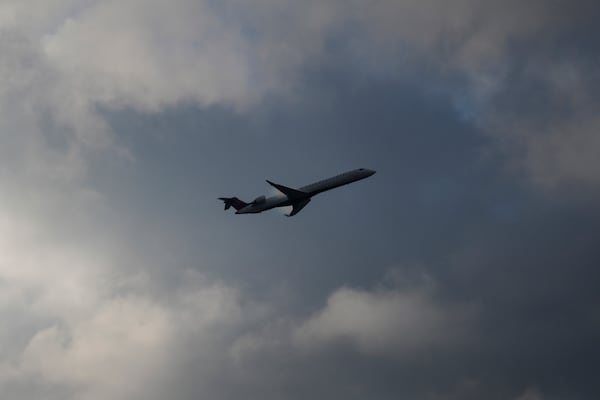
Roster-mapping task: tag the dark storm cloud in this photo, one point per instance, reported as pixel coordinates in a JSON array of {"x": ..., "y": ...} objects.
[
  {"x": 440, "y": 206},
  {"x": 453, "y": 273},
  {"x": 545, "y": 111}
]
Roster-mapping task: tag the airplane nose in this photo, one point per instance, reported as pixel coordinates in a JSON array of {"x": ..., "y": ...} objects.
[{"x": 370, "y": 171}]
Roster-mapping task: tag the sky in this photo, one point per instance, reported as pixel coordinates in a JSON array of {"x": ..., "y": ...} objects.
[{"x": 466, "y": 268}]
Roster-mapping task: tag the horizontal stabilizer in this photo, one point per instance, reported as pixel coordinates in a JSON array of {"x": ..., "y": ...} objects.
[{"x": 289, "y": 192}]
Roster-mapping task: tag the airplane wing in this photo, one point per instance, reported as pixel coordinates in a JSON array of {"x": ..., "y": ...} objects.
[
  {"x": 297, "y": 206},
  {"x": 289, "y": 192}
]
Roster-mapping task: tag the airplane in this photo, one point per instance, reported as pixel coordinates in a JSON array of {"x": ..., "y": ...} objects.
[{"x": 297, "y": 198}]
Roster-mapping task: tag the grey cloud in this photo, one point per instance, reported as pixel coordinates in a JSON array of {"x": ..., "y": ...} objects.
[
  {"x": 531, "y": 393},
  {"x": 548, "y": 114},
  {"x": 397, "y": 323},
  {"x": 98, "y": 334},
  {"x": 405, "y": 325},
  {"x": 97, "y": 291},
  {"x": 151, "y": 55},
  {"x": 89, "y": 317}
]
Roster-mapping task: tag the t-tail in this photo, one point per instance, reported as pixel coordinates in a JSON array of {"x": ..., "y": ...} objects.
[{"x": 233, "y": 202}]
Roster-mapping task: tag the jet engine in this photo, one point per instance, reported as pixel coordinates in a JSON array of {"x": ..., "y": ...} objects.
[{"x": 259, "y": 200}]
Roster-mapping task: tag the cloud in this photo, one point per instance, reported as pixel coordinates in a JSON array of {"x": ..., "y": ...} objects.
[
  {"x": 101, "y": 335},
  {"x": 387, "y": 322},
  {"x": 553, "y": 127},
  {"x": 64, "y": 59},
  {"x": 127, "y": 342},
  {"x": 399, "y": 323},
  {"x": 108, "y": 353},
  {"x": 149, "y": 55},
  {"x": 88, "y": 317},
  {"x": 532, "y": 393}
]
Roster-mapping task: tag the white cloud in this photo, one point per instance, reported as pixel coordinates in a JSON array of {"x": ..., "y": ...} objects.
[
  {"x": 110, "y": 353},
  {"x": 62, "y": 59},
  {"x": 84, "y": 313},
  {"x": 124, "y": 346},
  {"x": 126, "y": 343},
  {"x": 399, "y": 323},
  {"x": 151, "y": 54}
]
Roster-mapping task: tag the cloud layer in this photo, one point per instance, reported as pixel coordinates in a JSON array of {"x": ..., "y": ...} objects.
[
  {"x": 390, "y": 323},
  {"x": 98, "y": 305},
  {"x": 64, "y": 59}
]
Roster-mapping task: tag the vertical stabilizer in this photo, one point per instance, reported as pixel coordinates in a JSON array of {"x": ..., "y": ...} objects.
[{"x": 233, "y": 202}]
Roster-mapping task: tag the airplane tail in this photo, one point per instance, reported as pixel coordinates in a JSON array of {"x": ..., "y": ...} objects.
[{"x": 233, "y": 202}]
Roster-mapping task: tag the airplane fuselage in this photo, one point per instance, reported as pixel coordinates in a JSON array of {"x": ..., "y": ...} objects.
[{"x": 301, "y": 196}]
